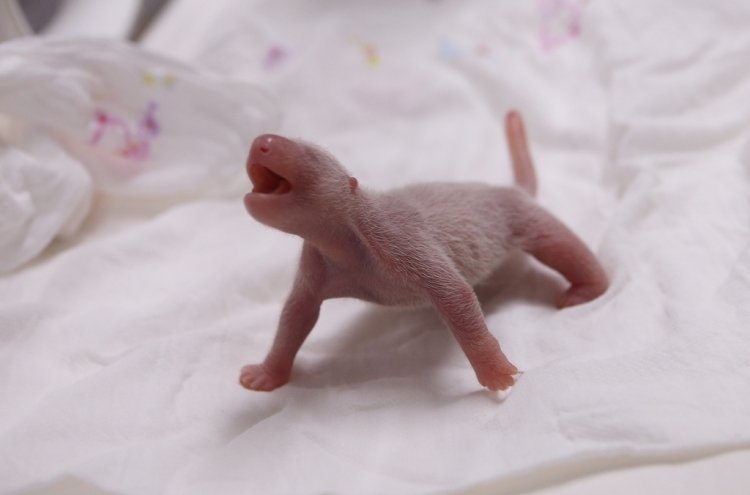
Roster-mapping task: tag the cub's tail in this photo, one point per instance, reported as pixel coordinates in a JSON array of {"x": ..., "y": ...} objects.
[{"x": 523, "y": 167}]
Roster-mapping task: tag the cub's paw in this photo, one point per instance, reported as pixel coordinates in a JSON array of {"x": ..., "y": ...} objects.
[
  {"x": 496, "y": 378},
  {"x": 579, "y": 294},
  {"x": 493, "y": 370},
  {"x": 259, "y": 377}
]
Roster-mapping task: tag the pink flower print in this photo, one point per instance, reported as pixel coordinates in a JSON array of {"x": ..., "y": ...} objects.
[
  {"x": 275, "y": 56},
  {"x": 483, "y": 50},
  {"x": 560, "y": 21},
  {"x": 135, "y": 143}
]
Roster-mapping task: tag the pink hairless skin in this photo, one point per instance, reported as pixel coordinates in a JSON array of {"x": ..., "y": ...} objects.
[{"x": 422, "y": 244}]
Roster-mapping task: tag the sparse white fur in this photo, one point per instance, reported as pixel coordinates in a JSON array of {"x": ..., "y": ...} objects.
[{"x": 422, "y": 244}]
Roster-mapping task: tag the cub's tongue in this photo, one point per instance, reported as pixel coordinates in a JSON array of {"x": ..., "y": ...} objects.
[{"x": 266, "y": 181}]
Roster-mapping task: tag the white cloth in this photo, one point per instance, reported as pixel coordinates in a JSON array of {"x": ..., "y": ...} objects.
[
  {"x": 141, "y": 124},
  {"x": 43, "y": 193},
  {"x": 120, "y": 354}
]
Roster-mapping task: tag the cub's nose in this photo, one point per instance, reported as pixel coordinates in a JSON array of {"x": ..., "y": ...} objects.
[
  {"x": 264, "y": 144},
  {"x": 268, "y": 144},
  {"x": 272, "y": 151}
]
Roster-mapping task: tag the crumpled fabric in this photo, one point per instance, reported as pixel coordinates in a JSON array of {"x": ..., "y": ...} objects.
[
  {"x": 121, "y": 354},
  {"x": 44, "y": 193},
  {"x": 114, "y": 118}
]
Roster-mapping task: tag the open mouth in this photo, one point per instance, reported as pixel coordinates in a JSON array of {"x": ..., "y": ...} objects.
[{"x": 266, "y": 181}]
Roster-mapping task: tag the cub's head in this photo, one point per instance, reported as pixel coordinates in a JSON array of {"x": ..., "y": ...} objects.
[{"x": 296, "y": 186}]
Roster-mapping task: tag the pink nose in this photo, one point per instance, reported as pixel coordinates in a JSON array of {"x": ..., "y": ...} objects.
[
  {"x": 264, "y": 144},
  {"x": 269, "y": 147}
]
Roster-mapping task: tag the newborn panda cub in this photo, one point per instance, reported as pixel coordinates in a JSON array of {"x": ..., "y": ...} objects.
[{"x": 418, "y": 245}]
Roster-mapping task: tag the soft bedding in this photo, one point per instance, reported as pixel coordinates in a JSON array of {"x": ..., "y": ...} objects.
[{"x": 121, "y": 345}]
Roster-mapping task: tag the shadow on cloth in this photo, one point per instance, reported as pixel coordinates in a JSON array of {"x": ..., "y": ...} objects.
[{"x": 384, "y": 342}]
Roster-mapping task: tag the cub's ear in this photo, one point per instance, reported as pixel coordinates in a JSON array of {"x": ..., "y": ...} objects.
[{"x": 353, "y": 183}]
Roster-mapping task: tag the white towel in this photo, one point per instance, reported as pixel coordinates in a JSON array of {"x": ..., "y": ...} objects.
[
  {"x": 121, "y": 353},
  {"x": 141, "y": 124}
]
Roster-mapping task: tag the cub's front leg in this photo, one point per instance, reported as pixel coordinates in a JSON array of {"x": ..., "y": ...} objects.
[
  {"x": 420, "y": 262},
  {"x": 298, "y": 318},
  {"x": 457, "y": 304}
]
